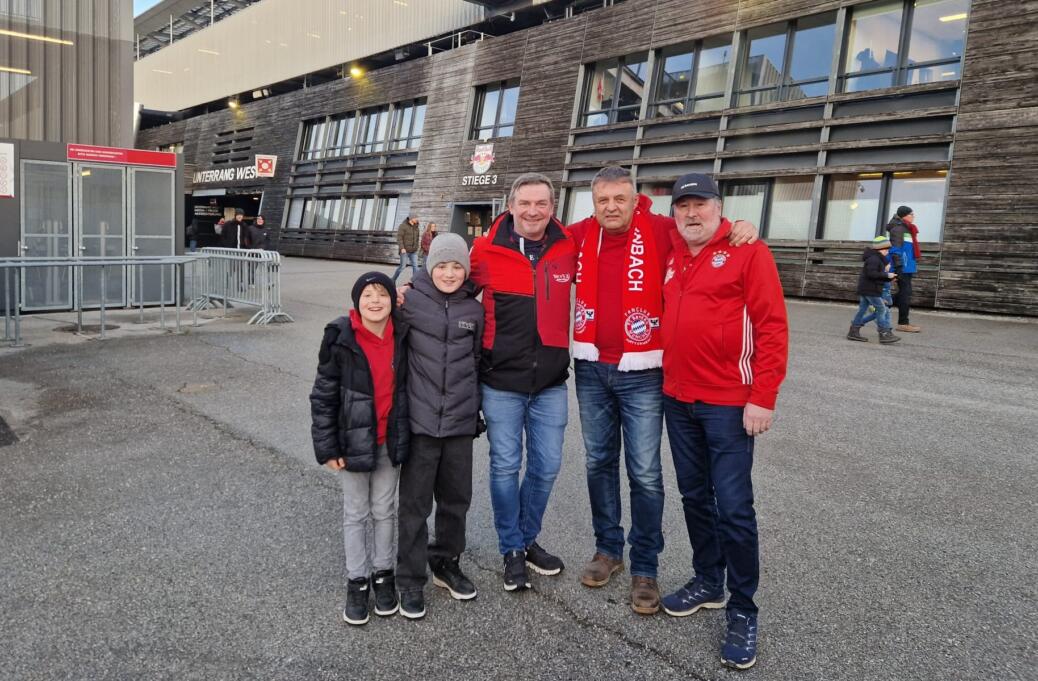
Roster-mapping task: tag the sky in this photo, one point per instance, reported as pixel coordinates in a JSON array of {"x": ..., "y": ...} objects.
[{"x": 143, "y": 5}]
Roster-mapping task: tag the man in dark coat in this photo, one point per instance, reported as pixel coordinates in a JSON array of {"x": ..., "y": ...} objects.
[
  {"x": 409, "y": 240},
  {"x": 236, "y": 232}
]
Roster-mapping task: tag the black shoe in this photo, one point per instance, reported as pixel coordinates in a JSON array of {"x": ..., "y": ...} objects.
[
  {"x": 412, "y": 603},
  {"x": 541, "y": 561},
  {"x": 384, "y": 586},
  {"x": 516, "y": 576},
  {"x": 356, "y": 610},
  {"x": 447, "y": 574},
  {"x": 855, "y": 334},
  {"x": 886, "y": 336}
]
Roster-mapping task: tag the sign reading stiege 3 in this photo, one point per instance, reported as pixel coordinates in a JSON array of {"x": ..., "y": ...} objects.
[{"x": 482, "y": 159}]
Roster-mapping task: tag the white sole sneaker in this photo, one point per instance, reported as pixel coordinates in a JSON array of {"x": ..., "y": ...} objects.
[
  {"x": 355, "y": 623},
  {"x": 542, "y": 571},
  {"x": 702, "y": 606},
  {"x": 734, "y": 665},
  {"x": 387, "y": 613},
  {"x": 412, "y": 615},
  {"x": 454, "y": 594}
]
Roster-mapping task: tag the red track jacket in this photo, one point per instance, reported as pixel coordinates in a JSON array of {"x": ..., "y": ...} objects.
[{"x": 725, "y": 334}]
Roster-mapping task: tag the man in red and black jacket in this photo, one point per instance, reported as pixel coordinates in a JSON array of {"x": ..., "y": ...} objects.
[
  {"x": 525, "y": 265},
  {"x": 725, "y": 342}
]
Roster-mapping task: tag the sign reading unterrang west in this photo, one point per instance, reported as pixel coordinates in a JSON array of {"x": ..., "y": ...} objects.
[{"x": 263, "y": 166}]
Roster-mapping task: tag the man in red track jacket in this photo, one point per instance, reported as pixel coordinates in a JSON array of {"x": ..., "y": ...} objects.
[{"x": 725, "y": 340}]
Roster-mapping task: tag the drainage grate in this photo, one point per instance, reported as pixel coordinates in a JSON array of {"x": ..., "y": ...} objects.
[{"x": 7, "y": 436}]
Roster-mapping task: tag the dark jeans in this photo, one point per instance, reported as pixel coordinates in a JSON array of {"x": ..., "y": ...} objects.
[
  {"x": 903, "y": 298},
  {"x": 713, "y": 460},
  {"x": 439, "y": 468},
  {"x": 629, "y": 404}
]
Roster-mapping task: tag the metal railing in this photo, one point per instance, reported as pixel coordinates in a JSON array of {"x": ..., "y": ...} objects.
[
  {"x": 212, "y": 275},
  {"x": 245, "y": 277}
]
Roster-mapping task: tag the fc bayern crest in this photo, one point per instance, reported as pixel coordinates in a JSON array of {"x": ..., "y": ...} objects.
[
  {"x": 719, "y": 259},
  {"x": 638, "y": 326},
  {"x": 580, "y": 316},
  {"x": 482, "y": 158}
]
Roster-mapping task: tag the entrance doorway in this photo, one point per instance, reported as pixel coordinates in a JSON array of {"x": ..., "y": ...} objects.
[
  {"x": 472, "y": 220},
  {"x": 209, "y": 206}
]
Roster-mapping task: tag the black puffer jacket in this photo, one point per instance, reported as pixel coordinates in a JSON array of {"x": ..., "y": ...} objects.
[
  {"x": 342, "y": 402},
  {"x": 873, "y": 273},
  {"x": 445, "y": 339}
]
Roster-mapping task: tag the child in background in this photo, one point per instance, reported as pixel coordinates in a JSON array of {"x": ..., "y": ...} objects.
[
  {"x": 444, "y": 344},
  {"x": 360, "y": 430}
]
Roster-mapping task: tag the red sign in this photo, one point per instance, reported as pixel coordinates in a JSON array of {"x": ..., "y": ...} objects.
[{"x": 133, "y": 157}]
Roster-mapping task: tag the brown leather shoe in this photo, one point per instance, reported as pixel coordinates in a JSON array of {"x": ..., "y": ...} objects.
[
  {"x": 599, "y": 570},
  {"x": 908, "y": 328},
  {"x": 645, "y": 595}
]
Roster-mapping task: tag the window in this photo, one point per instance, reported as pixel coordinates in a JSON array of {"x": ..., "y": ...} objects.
[
  {"x": 692, "y": 79},
  {"x": 314, "y": 133},
  {"x": 340, "y": 135},
  {"x": 579, "y": 204},
  {"x": 295, "y": 214},
  {"x": 495, "y": 110},
  {"x": 660, "y": 195},
  {"x": 787, "y": 61},
  {"x": 923, "y": 192},
  {"x": 614, "y": 90},
  {"x": 852, "y": 207},
  {"x": 745, "y": 201},
  {"x": 789, "y": 212},
  {"x": 408, "y": 122},
  {"x": 372, "y": 130},
  {"x": 904, "y": 42}
]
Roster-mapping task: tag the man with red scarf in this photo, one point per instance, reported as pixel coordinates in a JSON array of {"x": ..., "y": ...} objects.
[
  {"x": 618, "y": 352},
  {"x": 904, "y": 251}
]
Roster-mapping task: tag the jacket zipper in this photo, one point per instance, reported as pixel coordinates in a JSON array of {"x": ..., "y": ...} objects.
[{"x": 443, "y": 383}]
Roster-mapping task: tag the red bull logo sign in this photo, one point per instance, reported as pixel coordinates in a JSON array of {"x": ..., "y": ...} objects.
[{"x": 482, "y": 160}]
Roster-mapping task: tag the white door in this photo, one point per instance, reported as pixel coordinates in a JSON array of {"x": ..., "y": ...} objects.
[
  {"x": 101, "y": 212},
  {"x": 152, "y": 230},
  {"x": 46, "y": 233}
]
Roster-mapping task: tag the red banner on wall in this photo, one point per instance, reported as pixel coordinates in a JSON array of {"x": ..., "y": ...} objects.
[{"x": 133, "y": 157}]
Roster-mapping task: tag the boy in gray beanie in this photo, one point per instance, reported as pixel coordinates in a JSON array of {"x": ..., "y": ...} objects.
[{"x": 445, "y": 340}]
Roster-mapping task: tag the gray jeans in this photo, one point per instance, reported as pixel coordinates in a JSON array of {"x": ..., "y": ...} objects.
[{"x": 370, "y": 496}]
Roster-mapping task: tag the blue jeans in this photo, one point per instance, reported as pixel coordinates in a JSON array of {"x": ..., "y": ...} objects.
[
  {"x": 405, "y": 259},
  {"x": 882, "y": 313},
  {"x": 630, "y": 403},
  {"x": 713, "y": 460},
  {"x": 519, "y": 508}
]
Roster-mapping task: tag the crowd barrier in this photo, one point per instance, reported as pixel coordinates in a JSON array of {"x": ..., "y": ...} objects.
[{"x": 242, "y": 277}]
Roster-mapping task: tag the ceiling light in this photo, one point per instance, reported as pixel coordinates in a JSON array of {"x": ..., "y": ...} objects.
[
  {"x": 356, "y": 71},
  {"x": 954, "y": 17},
  {"x": 30, "y": 36},
  {"x": 232, "y": 103},
  {"x": 205, "y": 51},
  {"x": 11, "y": 69},
  {"x": 854, "y": 205},
  {"x": 947, "y": 74},
  {"x": 168, "y": 73}
]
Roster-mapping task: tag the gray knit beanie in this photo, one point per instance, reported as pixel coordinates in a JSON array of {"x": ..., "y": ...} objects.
[{"x": 448, "y": 247}]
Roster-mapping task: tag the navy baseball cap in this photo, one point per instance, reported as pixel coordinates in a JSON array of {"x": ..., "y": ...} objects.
[{"x": 695, "y": 184}]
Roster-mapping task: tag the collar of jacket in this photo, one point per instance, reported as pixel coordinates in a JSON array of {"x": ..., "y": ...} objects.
[{"x": 554, "y": 233}]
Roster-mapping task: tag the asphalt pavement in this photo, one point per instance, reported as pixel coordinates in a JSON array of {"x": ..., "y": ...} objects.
[{"x": 162, "y": 517}]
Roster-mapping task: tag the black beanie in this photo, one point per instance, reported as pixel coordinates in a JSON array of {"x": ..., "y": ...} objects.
[
  {"x": 902, "y": 211},
  {"x": 373, "y": 278}
]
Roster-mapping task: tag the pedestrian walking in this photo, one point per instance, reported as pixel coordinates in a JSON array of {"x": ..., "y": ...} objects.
[
  {"x": 408, "y": 241},
  {"x": 427, "y": 237},
  {"x": 905, "y": 252},
  {"x": 725, "y": 340},
  {"x": 360, "y": 430},
  {"x": 258, "y": 233},
  {"x": 444, "y": 345},
  {"x": 875, "y": 274}
]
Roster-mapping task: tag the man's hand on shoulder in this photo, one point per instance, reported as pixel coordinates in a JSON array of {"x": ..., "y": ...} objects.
[
  {"x": 756, "y": 420},
  {"x": 743, "y": 232}
]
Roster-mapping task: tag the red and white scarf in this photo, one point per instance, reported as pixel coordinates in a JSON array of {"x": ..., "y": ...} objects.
[{"x": 642, "y": 297}]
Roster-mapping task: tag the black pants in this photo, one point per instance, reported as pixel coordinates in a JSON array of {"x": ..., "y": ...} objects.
[
  {"x": 439, "y": 468},
  {"x": 903, "y": 298}
]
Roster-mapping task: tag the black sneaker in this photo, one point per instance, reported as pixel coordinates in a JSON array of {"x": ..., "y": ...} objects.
[
  {"x": 447, "y": 574},
  {"x": 516, "y": 576},
  {"x": 412, "y": 603},
  {"x": 384, "y": 586},
  {"x": 542, "y": 562},
  {"x": 356, "y": 610}
]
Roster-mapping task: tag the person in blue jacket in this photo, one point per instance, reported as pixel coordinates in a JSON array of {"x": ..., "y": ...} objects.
[{"x": 904, "y": 251}]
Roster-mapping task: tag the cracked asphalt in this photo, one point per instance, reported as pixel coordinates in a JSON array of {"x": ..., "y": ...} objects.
[{"x": 162, "y": 517}]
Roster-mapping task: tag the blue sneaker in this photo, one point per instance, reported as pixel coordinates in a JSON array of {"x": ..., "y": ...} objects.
[
  {"x": 693, "y": 597},
  {"x": 740, "y": 644}
]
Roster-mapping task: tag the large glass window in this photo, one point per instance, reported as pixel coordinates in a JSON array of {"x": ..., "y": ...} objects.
[
  {"x": 659, "y": 195},
  {"x": 899, "y": 42},
  {"x": 789, "y": 215},
  {"x": 923, "y": 192},
  {"x": 614, "y": 90},
  {"x": 745, "y": 201},
  {"x": 495, "y": 110},
  {"x": 692, "y": 78},
  {"x": 787, "y": 61},
  {"x": 373, "y": 129},
  {"x": 852, "y": 207},
  {"x": 340, "y": 135},
  {"x": 408, "y": 123},
  {"x": 314, "y": 133}
]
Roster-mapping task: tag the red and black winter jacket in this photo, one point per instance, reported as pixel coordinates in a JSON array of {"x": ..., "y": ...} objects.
[{"x": 527, "y": 309}]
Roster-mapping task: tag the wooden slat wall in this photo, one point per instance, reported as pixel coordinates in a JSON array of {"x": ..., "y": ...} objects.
[{"x": 986, "y": 262}]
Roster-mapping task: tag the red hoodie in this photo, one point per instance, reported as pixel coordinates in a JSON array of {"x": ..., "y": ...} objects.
[
  {"x": 379, "y": 352},
  {"x": 725, "y": 334}
]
